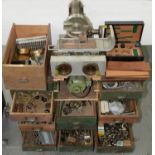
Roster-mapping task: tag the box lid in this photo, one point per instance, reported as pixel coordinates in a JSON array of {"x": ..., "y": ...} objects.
[{"x": 126, "y": 31}]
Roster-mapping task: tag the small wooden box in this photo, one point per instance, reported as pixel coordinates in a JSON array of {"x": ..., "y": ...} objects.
[
  {"x": 66, "y": 147},
  {"x": 20, "y": 76},
  {"x": 128, "y": 40},
  {"x": 29, "y": 133},
  {"x": 85, "y": 119},
  {"x": 123, "y": 92},
  {"x": 129, "y": 118},
  {"x": 116, "y": 149},
  {"x": 31, "y": 116}
]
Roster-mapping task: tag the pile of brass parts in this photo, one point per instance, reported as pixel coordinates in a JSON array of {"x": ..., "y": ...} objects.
[
  {"x": 76, "y": 137},
  {"x": 122, "y": 85},
  {"x": 71, "y": 106},
  {"x": 114, "y": 134},
  {"x": 38, "y": 138},
  {"x": 34, "y": 102},
  {"x": 29, "y": 50}
]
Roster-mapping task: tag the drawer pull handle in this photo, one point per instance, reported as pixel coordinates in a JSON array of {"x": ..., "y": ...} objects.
[
  {"x": 121, "y": 97},
  {"x": 31, "y": 119},
  {"x": 24, "y": 80},
  {"x": 76, "y": 123}
]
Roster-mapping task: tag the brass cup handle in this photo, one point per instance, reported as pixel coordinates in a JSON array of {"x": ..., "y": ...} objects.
[{"x": 24, "y": 80}]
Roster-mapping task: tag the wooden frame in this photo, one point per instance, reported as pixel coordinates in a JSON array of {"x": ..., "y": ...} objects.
[{"x": 25, "y": 77}]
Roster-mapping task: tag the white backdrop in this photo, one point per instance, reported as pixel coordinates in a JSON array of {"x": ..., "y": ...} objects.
[{"x": 56, "y": 11}]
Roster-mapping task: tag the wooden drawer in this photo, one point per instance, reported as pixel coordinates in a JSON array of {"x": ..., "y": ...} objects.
[
  {"x": 126, "y": 146},
  {"x": 41, "y": 110},
  {"x": 130, "y": 117},
  {"x": 84, "y": 119},
  {"x": 21, "y": 76},
  {"x": 132, "y": 91},
  {"x": 38, "y": 137},
  {"x": 77, "y": 147}
]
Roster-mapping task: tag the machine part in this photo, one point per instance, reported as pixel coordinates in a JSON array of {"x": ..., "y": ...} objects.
[
  {"x": 71, "y": 106},
  {"x": 90, "y": 69},
  {"x": 116, "y": 107},
  {"x": 76, "y": 137},
  {"x": 77, "y": 22},
  {"x": 104, "y": 107},
  {"x": 37, "y": 55},
  {"x": 76, "y": 63},
  {"x": 24, "y": 51},
  {"x": 122, "y": 85},
  {"x": 46, "y": 138},
  {"x": 31, "y": 43},
  {"x": 110, "y": 85},
  {"x": 79, "y": 85},
  {"x": 64, "y": 69},
  {"x": 93, "y": 45}
]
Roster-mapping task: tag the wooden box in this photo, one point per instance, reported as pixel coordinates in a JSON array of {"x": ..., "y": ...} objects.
[
  {"x": 128, "y": 145},
  {"x": 131, "y": 117},
  {"x": 84, "y": 118},
  {"x": 32, "y": 139},
  {"x": 41, "y": 110},
  {"x": 128, "y": 92},
  {"x": 21, "y": 76},
  {"x": 68, "y": 147},
  {"x": 128, "y": 36}
]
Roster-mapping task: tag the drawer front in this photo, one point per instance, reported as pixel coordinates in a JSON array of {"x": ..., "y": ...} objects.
[
  {"x": 37, "y": 127},
  {"x": 114, "y": 149},
  {"x": 38, "y": 148},
  {"x": 72, "y": 148},
  {"x": 120, "y": 95},
  {"x": 24, "y": 78},
  {"x": 128, "y": 117},
  {"x": 76, "y": 123},
  {"x": 22, "y": 116}
]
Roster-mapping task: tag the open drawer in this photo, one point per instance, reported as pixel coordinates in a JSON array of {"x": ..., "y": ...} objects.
[
  {"x": 32, "y": 106},
  {"x": 76, "y": 115},
  {"x": 130, "y": 113},
  {"x": 75, "y": 140},
  {"x": 108, "y": 140},
  {"x": 38, "y": 137},
  {"x": 127, "y": 89},
  {"x": 25, "y": 62}
]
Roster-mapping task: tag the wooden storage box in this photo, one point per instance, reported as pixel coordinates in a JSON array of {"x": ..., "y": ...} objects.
[
  {"x": 116, "y": 149},
  {"x": 20, "y": 113},
  {"x": 128, "y": 37},
  {"x": 123, "y": 92},
  {"x": 21, "y": 76},
  {"x": 128, "y": 117},
  {"x": 31, "y": 136},
  {"x": 67, "y": 147},
  {"x": 84, "y": 119}
]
